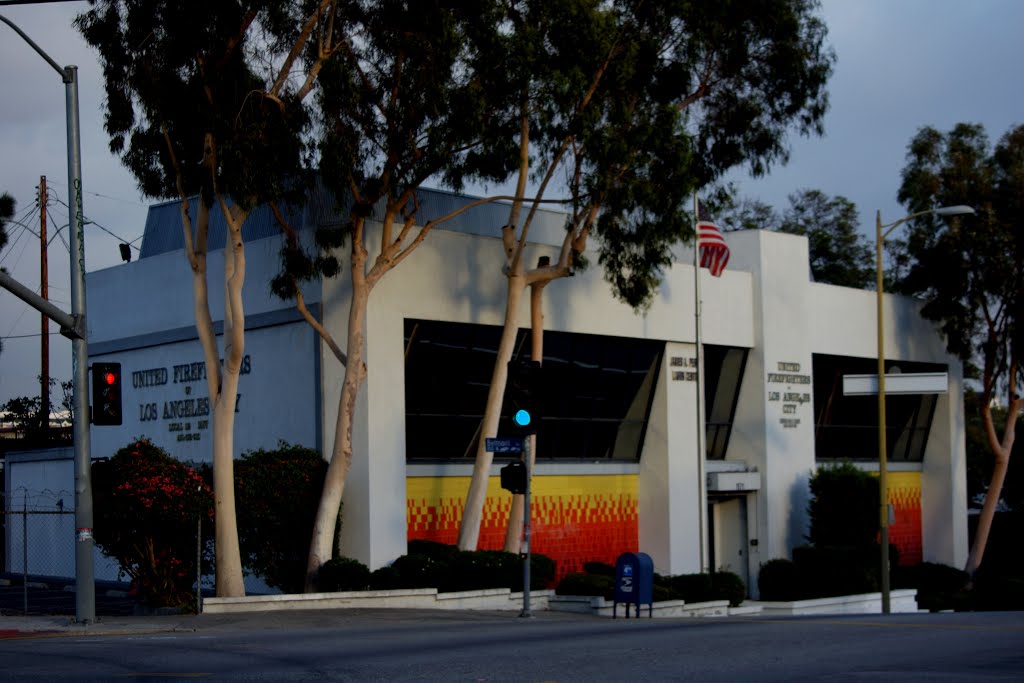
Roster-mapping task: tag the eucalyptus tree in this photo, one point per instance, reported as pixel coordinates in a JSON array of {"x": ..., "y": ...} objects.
[
  {"x": 971, "y": 273},
  {"x": 416, "y": 92},
  {"x": 208, "y": 100},
  {"x": 633, "y": 106},
  {"x": 839, "y": 253},
  {"x": 6, "y": 214}
]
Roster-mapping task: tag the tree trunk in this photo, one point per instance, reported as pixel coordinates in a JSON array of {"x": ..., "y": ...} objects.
[
  {"x": 322, "y": 543},
  {"x": 230, "y": 580},
  {"x": 988, "y": 511},
  {"x": 514, "y": 531},
  {"x": 222, "y": 393},
  {"x": 469, "y": 529},
  {"x": 1001, "y": 449}
]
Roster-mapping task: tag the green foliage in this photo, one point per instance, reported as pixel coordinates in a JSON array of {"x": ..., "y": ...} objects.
[
  {"x": 7, "y": 205},
  {"x": 781, "y": 580},
  {"x": 690, "y": 587},
  {"x": 657, "y": 116},
  {"x": 720, "y": 585},
  {"x": 580, "y": 583},
  {"x": 931, "y": 578},
  {"x": 599, "y": 568},
  {"x": 839, "y": 570},
  {"x": 435, "y": 565},
  {"x": 25, "y": 413},
  {"x": 731, "y": 213},
  {"x": 839, "y": 253},
  {"x": 844, "y": 507},
  {"x": 728, "y": 586},
  {"x": 191, "y": 77},
  {"x": 598, "y": 579},
  {"x": 277, "y": 493},
  {"x": 969, "y": 269},
  {"x": 147, "y": 509},
  {"x": 342, "y": 574},
  {"x": 997, "y": 591}
]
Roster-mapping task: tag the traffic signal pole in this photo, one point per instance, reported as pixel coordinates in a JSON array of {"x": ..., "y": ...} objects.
[
  {"x": 73, "y": 326},
  {"x": 526, "y": 529}
]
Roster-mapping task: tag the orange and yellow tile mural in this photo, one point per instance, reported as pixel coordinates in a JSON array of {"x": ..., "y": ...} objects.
[
  {"x": 576, "y": 518},
  {"x": 583, "y": 518},
  {"x": 905, "y": 531}
]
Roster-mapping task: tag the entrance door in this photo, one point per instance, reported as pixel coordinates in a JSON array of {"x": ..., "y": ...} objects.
[{"x": 728, "y": 544}]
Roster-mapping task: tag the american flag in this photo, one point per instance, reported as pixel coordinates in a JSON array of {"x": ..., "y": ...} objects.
[{"x": 714, "y": 252}]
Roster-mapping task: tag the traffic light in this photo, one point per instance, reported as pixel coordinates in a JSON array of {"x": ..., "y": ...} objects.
[
  {"x": 524, "y": 393},
  {"x": 513, "y": 477},
  {"x": 106, "y": 394}
]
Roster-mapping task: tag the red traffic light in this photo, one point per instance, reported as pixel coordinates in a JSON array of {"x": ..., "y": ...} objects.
[{"x": 107, "y": 408}]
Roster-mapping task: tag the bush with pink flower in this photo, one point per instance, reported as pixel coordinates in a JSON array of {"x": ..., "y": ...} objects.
[{"x": 147, "y": 506}]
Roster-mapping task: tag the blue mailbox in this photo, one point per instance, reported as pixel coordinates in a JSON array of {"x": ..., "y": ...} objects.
[{"x": 634, "y": 583}]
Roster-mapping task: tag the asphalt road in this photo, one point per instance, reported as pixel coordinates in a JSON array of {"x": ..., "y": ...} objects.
[{"x": 396, "y": 645}]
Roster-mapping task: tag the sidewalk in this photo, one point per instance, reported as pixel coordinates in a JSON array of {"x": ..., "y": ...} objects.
[
  {"x": 15, "y": 627},
  {"x": 22, "y": 627}
]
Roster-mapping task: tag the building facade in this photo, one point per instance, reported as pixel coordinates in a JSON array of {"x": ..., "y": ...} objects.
[{"x": 618, "y": 463}]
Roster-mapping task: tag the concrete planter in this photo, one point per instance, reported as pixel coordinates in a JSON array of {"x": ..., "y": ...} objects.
[
  {"x": 600, "y": 607},
  {"x": 903, "y": 600},
  {"x": 416, "y": 598}
]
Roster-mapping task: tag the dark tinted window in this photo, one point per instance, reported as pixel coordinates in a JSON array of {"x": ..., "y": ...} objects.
[
  {"x": 723, "y": 376},
  {"x": 846, "y": 427},
  {"x": 597, "y": 394}
]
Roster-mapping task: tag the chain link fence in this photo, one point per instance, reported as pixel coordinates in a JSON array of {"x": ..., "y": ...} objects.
[
  {"x": 38, "y": 552},
  {"x": 37, "y": 558}
]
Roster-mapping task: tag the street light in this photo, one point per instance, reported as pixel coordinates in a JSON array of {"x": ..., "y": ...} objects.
[
  {"x": 883, "y": 480},
  {"x": 74, "y": 327}
]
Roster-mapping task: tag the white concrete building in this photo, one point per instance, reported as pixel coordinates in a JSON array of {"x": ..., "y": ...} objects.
[{"x": 618, "y": 468}]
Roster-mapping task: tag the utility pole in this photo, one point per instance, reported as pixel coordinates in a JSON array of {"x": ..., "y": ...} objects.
[{"x": 44, "y": 362}]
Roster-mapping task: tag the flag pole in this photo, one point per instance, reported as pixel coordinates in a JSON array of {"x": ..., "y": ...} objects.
[{"x": 702, "y": 492}]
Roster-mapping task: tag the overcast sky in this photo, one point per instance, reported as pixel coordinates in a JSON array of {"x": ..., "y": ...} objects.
[{"x": 902, "y": 64}]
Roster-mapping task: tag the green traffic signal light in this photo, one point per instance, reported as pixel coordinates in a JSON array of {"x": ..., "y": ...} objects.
[{"x": 524, "y": 395}]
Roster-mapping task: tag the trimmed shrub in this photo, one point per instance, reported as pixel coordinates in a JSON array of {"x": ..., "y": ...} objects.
[
  {"x": 844, "y": 507},
  {"x": 838, "y": 570},
  {"x": 931, "y": 577},
  {"x": 690, "y": 587},
  {"x": 542, "y": 571},
  {"x": 599, "y": 568},
  {"x": 435, "y": 565},
  {"x": 728, "y": 586},
  {"x": 939, "y": 587},
  {"x": 342, "y": 574},
  {"x": 599, "y": 585},
  {"x": 419, "y": 546},
  {"x": 421, "y": 571},
  {"x": 996, "y": 590},
  {"x": 484, "y": 569},
  {"x": 385, "y": 578},
  {"x": 278, "y": 492},
  {"x": 781, "y": 579},
  {"x": 147, "y": 505}
]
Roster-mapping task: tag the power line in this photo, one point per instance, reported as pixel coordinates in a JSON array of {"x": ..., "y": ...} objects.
[{"x": 107, "y": 230}]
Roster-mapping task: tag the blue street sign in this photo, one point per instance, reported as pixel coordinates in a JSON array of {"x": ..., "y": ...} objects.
[{"x": 512, "y": 444}]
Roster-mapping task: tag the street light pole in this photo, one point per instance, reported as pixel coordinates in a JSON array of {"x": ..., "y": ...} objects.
[
  {"x": 85, "y": 586},
  {"x": 883, "y": 473}
]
